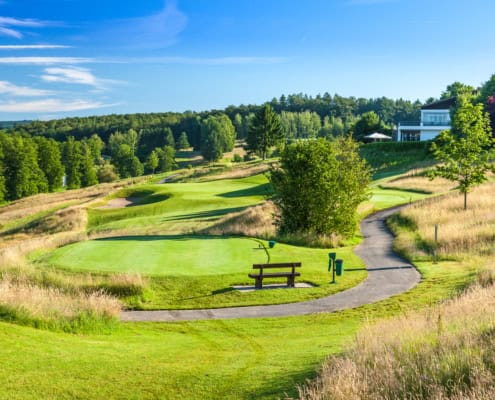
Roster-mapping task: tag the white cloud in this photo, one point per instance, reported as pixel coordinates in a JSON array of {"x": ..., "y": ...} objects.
[
  {"x": 45, "y": 60},
  {"x": 33, "y": 46},
  {"x": 10, "y": 32},
  {"x": 32, "y": 23},
  {"x": 78, "y": 76},
  {"x": 6, "y": 24},
  {"x": 14, "y": 90},
  {"x": 51, "y": 106}
]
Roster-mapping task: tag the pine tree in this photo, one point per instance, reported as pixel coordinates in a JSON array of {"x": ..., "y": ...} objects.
[
  {"x": 88, "y": 171},
  {"x": 265, "y": 131},
  {"x": 72, "y": 159},
  {"x": 183, "y": 143},
  {"x": 50, "y": 161}
]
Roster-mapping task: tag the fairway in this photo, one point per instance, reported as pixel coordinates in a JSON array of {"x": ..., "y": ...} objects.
[{"x": 185, "y": 206}]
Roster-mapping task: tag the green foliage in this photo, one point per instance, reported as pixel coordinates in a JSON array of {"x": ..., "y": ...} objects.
[
  {"x": 217, "y": 137},
  {"x": 23, "y": 176},
  {"x": 487, "y": 89},
  {"x": 237, "y": 158},
  {"x": 88, "y": 171},
  {"x": 73, "y": 159},
  {"x": 169, "y": 138},
  {"x": 388, "y": 158},
  {"x": 301, "y": 125},
  {"x": 107, "y": 173},
  {"x": 318, "y": 187},
  {"x": 2, "y": 177},
  {"x": 465, "y": 152},
  {"x": 183, "y": 142},
  {"x": 166, "y": 159},
  {"x": 96, "y": 146},
  {"x": 368, "y": 123},
  {"x": 265, "y": 131},
  {"x": 457, "y": 89},
  {"x": 49, "y": 160},
  {"x": 152, "y": 161}
]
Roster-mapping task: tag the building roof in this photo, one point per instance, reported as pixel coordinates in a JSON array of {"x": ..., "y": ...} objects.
[{"x": 441, "y": 104}]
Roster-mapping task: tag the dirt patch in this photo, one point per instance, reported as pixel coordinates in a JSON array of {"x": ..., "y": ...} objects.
[{"x": 121, "y": 202}]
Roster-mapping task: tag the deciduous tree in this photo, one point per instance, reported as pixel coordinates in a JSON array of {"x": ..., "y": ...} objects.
[
  {"x": 465, "y": 152},
  {"x": 318, "y": 187}
]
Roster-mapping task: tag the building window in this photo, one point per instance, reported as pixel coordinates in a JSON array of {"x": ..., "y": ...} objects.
[{"x": 411, "y": 136}]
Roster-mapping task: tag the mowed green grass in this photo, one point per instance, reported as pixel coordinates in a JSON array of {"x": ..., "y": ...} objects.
[
  {"x": 231, "y": 359},
  {"x": 199, "y": 272},
  {"x": 187, "y": 207}
]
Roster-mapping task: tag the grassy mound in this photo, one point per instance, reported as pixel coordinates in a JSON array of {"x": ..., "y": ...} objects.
[{"x": 198, "y": 272}]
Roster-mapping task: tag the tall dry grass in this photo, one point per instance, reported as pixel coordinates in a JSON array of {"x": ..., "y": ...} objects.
[
  {"x": 461, "y": 232},
  {"x": 445, "y": 352},
  {"x": 420, "y": 184},
  {"x": 256, "y": 221},
  {"x": 43, "y": 297},
  {"x": 47, "y": 302}
]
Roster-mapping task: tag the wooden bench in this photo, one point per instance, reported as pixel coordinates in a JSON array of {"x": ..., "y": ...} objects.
[{"x": 290, "y": 275}]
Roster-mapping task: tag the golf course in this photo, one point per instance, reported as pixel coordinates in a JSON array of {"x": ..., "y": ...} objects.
[{"x": 162, "y": 235}]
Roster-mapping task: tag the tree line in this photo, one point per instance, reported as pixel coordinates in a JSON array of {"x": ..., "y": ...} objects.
[{"x": 35, "y": 157}]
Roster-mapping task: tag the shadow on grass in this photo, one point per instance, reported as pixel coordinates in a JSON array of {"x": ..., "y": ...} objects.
[
  {"x": 150, "y": 238},
  {"x": 261, "y": 190},
  {"x": 206, "y": 214}
]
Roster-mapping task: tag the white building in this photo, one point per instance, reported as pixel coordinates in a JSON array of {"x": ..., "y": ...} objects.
[{"x": 435, "y": 118}]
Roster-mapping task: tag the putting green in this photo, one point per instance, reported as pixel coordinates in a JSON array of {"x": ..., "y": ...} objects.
[{"x": 179, "y": 255}]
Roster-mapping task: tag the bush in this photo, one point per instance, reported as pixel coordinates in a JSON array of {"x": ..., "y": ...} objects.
[{"x": 237, "y": 158}]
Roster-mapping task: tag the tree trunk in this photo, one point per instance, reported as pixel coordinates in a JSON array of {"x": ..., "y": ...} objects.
[{"x": 465, "y": 200}]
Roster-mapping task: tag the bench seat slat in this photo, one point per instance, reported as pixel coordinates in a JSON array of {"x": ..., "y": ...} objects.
[
  {"x": 275, "y": 275},
  {"x": 277, "y": 265}
]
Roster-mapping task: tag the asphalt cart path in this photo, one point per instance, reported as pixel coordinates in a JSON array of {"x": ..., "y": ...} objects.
[{"x": 388, "y": 275}]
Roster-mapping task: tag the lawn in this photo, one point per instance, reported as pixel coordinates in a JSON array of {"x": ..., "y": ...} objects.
[
  {"x": 197, "y": 272},
  {"x": 184, "y": 207},
  {"x": 232, "y": 359}
]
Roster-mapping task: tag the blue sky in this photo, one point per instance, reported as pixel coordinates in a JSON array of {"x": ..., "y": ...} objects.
[{"x": 73, "y": 57}]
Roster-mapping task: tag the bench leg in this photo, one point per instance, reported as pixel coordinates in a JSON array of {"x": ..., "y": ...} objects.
[
  {"x": 259, "y": 283},
  {"x": 290, "y": 281}
]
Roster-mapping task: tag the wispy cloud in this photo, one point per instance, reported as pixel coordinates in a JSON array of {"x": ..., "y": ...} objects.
[
  {"x": 10, "y": 32},
  {"x": 51, "y": 105},
  {"x": 10, "y": 26},
  {"x": 153, "y": 31},
  {"x": 33, "y": 46},
  {"x": 79, "y": 76},
  {"x": 45, "y": 60},
  {"x": 14, "y": 90}
]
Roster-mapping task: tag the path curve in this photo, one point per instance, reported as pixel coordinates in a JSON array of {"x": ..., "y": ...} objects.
[{"x": 388, "y": 275}]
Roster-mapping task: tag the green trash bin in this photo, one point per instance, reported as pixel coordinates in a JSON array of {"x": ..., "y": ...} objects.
[
  {"x": 271, "y": 244},
  {"x": 339, "y": 267}
]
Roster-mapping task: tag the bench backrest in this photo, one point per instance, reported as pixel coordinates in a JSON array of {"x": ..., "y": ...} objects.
[{"x": 277, "y": 265}]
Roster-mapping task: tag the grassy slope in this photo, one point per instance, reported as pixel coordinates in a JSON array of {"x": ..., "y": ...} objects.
[
  {"x": 214, "y": 359},
  {"x": 253, "y": 358},
  {"x": 189, "y": 206}
]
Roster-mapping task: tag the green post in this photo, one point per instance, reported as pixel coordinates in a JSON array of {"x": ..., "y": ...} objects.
[{"x": 331, "y": 264}]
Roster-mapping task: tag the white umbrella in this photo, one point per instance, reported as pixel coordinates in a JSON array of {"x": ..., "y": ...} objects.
[{"x": 377, "y": 136}]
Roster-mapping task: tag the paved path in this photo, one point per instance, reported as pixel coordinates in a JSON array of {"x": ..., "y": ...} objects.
[{"x": 388, "y": 275}]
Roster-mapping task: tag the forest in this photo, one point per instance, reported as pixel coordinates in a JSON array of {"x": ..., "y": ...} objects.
[{"x": 45, "y": 156}]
